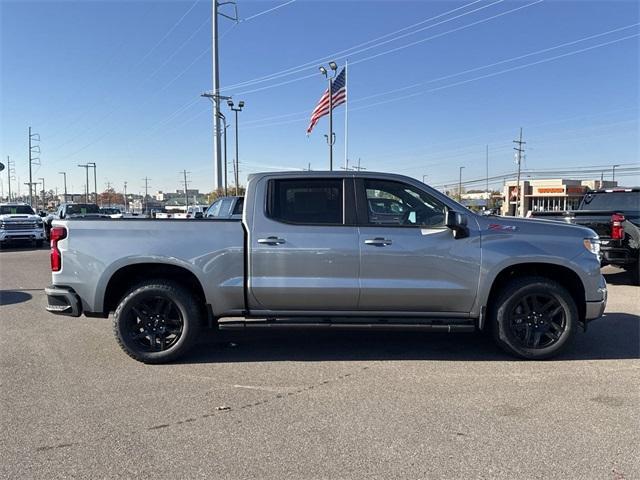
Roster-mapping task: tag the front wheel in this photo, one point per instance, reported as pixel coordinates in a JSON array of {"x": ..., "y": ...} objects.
[
  {"x": 157, "y": 321},
  {"x": 534, "y": 318}
]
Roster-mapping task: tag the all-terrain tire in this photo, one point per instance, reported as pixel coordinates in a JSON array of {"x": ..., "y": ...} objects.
[
  {"x": 515, "y": 329},
  {"x": 137, "y": 323}
]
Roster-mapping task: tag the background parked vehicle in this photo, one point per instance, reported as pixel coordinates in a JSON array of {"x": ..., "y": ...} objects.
[
  {"x": 112, "y": 212},
  {"x": 614, "y": 214},
  {"x": 310, "y": 252},
  {"x": 226, "y": 207},
  {"x": 19, "y": 223},
  {"x": 66, "y": 211}
]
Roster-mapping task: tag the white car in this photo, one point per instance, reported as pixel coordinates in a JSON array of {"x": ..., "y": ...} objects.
[{"x": 19, "y": 223}]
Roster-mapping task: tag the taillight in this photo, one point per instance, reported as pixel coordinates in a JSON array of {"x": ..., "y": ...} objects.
[
  {"x": 617, "y": 229},
  {"x": 56, "y": 234}
]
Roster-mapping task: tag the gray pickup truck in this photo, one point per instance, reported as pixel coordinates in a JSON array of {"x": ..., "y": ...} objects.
[{"x": 330, "y": 250}]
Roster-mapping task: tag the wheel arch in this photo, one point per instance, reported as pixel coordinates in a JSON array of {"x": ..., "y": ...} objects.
[
  {"x": 127, "y": 276},
  {"x": 561, "y": 274}
]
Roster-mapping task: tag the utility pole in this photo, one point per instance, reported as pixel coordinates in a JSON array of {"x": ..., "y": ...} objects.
[
  {"x": 125, "y": 197},
  {"x": 95, "y": 182},
  {"x": 65, "y": 185},
  {"x": 487, "y": 186},
  {"x": 146, "y": 192},
  {"x": 9, "y": 175},
  {"x": 460, "y": 185},
  {"x": 236, "y": 110},
  {"x": 613, "y": 178},
  {"x": 108, "y": 192},
  {"x": 358, "y": 167},
  {"x": 186, "y": 184},
  {"x": 31, "y": 184},
  {"x": 44, "y": 204},
  {"x": 217, "y": 154},
  {"x": 33, "y": 137},
  {"x": 86, "y": 185},
  {"x": 487, "y": 162},
  {"x": 519, "y": 153}
]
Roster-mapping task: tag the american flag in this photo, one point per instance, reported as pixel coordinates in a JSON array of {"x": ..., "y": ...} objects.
[{"x": 339, "y": 93}]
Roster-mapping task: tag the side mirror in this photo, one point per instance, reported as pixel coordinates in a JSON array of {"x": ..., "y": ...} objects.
[{"x": 457, "y": 222}]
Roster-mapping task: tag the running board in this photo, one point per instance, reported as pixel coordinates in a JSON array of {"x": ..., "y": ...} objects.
[{"x": 430, "y": 324}]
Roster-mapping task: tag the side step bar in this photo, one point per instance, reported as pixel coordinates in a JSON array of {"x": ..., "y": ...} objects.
[{"x": 448, "y": 325}]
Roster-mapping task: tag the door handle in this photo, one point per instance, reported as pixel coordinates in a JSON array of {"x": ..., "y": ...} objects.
[
  {"x": 378, "y": 242},
  {"x": 271, "y": 241}
]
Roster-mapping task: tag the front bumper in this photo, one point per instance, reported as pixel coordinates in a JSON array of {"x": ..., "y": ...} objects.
[
  {"x": 63, "y": 301},
  {"x": 596, "y": 309},
  {"x": 21, "y": 235}
]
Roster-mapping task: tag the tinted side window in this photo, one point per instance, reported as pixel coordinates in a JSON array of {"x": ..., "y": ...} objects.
[
  {"x": 395, "y": 203},
  {"x": 237, "y": 210},
  {"x": 214, "y": 209},
  {"x": 310, "y": 202},
  {"x": 226, "y": 206}
]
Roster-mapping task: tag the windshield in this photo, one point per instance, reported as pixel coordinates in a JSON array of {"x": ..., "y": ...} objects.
[
  {"x": 16, "y": 210},
  {"x": 622, "y": 201},
  {"x": 82, "y": 208}
]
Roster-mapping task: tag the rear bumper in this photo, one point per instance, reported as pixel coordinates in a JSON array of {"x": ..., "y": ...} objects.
[
  {"x": 619, "y": 256},
  {"x": 63, "y": 301}
]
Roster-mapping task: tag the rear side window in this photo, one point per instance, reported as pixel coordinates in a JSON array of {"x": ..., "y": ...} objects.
[
  {"x": 306, "y": 202},
  {"x": 621, "y": 201}
]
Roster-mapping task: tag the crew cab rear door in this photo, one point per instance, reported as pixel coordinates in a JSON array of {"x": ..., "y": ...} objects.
[
  {"x": 410, "y": 261},
  {"x": 303, "y": 247}
]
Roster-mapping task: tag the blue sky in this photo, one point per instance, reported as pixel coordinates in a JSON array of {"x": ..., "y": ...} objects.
[{"x": 118, "y": 83}]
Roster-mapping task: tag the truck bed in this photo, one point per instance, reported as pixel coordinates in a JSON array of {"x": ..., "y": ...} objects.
[{"x": 213, "y": 249}]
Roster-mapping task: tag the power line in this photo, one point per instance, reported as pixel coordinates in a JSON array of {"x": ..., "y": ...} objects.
[
  {"x": 349, "y": 50},
  {"x": 269, "y": 10},
  {"x": 402, "y": 47}
]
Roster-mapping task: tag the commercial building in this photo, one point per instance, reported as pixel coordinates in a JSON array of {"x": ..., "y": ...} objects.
[{"x": 554, "y": 194}]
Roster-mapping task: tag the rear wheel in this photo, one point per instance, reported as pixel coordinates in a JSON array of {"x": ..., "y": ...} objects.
[
  {"x": 39, "y": 243},
  {"x": 157, "y": 321},
  {"x": 534, "y": 318}
]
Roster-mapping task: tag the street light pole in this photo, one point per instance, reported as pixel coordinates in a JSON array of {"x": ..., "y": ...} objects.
[
  {"x": 424, "y": 177},
  {"x": 237, "y": 161},
  {"x": 224, "y": 121},
  {"x": 65, "y": 185},
  {"x": 86, "y": 190},
  {"x": 95, "y": 182},
  {"x": 460, "y": 186}
]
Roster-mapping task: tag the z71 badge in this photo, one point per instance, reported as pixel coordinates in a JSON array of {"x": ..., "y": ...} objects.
[{"x": 496, "y": 227}]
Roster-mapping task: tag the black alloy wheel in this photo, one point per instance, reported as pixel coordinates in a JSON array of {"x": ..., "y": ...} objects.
[
  {"x": 154, "y": 324},
  {"x": 158, "y": 321},
  {"x": 533, "y": 317},
  {"x": 537, "y": 320}
]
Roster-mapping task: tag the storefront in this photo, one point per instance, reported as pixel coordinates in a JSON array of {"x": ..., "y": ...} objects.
[{"x": 547, "y": 195}]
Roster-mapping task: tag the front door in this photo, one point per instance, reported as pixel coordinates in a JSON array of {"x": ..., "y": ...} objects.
[
  {"x": 304, "y": 253},
  {"x": 409, "y": 260}
]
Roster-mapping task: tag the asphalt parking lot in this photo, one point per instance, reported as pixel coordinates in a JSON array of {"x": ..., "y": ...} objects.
[{"x": 306, "y": 405}]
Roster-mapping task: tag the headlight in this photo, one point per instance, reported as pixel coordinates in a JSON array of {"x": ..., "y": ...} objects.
[{"x": 593, "y": 245}]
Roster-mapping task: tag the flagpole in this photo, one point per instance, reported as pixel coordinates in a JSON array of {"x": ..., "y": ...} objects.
[
  {"x": 330, "y": 138},
  {"x": 346, "y": 115}
]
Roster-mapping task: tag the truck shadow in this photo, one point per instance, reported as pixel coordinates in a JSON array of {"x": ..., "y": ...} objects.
[
  {"x": 11, "y": 297},
  {"x": 618, "y": 276},
  {"x": 614, "y": 337}
]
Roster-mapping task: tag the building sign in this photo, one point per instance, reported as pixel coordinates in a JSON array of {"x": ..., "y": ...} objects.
[{"x": 558, "y": 191}]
